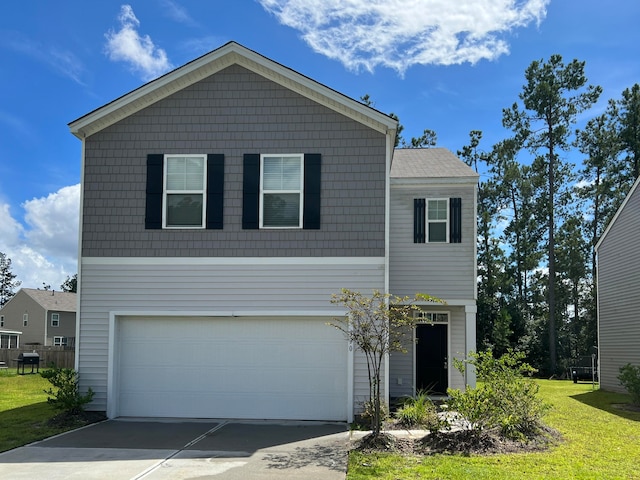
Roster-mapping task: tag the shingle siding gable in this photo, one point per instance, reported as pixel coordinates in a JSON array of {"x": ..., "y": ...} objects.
[{"x": 235, "y": 112}]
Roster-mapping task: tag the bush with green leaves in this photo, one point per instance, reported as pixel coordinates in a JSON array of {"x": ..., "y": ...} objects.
[
  {"x": 67, "y": 396},
  {"x": 630, "y": 379},
  {"x": 420, "y": 412},
  {"x": 506, "y": 398}
]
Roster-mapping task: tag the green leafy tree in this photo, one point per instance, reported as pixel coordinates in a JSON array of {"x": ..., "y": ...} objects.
[
  {"x": 70, "y": 285},
  {"x": 376, "y": 325},
  {"x": 553, "y": 96},
  {"x": 8, "y": 282},
  {"x": 428, "y": 139}
]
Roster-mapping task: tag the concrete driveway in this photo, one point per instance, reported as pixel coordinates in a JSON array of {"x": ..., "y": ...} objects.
[{"x": 156, "y": 450}]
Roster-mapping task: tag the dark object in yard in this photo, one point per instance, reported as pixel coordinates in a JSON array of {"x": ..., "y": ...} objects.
[
  {"x": 32, "y": 359},
  {"x": 586, "y": 368}
]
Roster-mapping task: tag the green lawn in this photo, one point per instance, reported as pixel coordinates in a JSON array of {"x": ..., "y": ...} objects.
[
  {"x": 600, "y": 442},
  {"x": 24, "y": 411}
]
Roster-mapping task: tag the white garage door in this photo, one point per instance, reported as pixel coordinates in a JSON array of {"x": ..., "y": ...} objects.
[{"x": 252, "y": 368}]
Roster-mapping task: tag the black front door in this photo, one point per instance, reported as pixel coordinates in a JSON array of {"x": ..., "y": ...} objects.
[{"x": 432, "y": 358}]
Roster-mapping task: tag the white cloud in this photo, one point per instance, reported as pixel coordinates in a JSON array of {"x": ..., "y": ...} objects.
[
  {"x": 62, "y": 61},
  {"x": 127, "y": 45},
  {"x": 46, "y": 249},
  {"x": 178, "y": 13},
  {"x": 364, "y": 34},
  {"x": 53, "y": 222}
]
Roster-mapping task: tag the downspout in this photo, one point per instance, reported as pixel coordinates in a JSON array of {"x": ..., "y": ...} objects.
[
  {"x": 46, "y": 326},
  {"x": 390, "y": 142},
  {"x": 79, "y": 268}
]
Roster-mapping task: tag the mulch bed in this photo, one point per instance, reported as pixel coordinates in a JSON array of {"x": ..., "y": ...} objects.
[
  {"x": 459, "y": 442},
  {"x": 76, "y": 420}
]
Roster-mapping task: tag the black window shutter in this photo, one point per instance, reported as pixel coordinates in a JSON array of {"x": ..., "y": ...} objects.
[
  {"x": 455, "y": 220},
  {"x": 419, "y": 230},
  {"x": 215, "y": 191},
  {"x": 251, "y": 191},
  {"x": 153, "y": 211},
  {"x": 312, "y": 185}
]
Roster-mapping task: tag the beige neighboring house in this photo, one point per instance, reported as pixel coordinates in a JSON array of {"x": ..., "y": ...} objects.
[{"x": 38, "y": 317}]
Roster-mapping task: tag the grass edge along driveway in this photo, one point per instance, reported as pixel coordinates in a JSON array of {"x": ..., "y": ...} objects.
[
  {"x": 600, "y": 442},
  {"x": 24, "y": 411}
]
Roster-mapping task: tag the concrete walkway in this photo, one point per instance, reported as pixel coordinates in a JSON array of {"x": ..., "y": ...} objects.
[{"x": 158, "y": 450}]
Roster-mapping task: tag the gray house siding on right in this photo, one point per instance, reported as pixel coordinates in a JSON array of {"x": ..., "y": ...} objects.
[
  {"x": 235, "y": 112},
  {"x": 619, "y": 293}
]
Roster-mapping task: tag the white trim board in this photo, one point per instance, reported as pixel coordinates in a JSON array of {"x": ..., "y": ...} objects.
[{"x": 380, "y": 261}]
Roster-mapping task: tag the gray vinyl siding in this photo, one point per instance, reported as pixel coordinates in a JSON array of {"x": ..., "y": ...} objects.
[
  {"x": 234, "y": 112},
  {"x": 618, "y": 299},
  {"x": 401, "y": 364},
  {"x": 445, "y": 270},
  {"x": 183, "y": 288}
]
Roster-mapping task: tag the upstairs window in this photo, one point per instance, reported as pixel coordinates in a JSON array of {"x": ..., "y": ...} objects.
[
  {"x": 55, "y": 319},
  {"x": 281, "y": 191},
  {"x": 1, "y": 320},
  {"x": 437, "y": 220},
  {"x": 25, "y": 319},
  {"x": 184, "y": 191}
]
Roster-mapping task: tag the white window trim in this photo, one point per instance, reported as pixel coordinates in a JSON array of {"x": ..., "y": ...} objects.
[
  {"x": 59, "y": 342},
  {"x": 25, "y": 319},
  {"x": 165, "y": 192},
  {"x": 55, "y": 319},
  {"x": 422, "y": 316},
  {"x": 299, "y": 156},
  {"x": 427, "y": 222}
]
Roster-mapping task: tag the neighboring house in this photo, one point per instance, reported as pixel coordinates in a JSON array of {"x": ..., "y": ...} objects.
[
  {"x": 618, "y": 277},
  {"x": 38, "y": 317},
  {"x": 222, "y": 205}
]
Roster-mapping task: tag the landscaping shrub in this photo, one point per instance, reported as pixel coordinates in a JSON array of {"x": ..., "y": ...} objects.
[
  {"x": 420, "y": 412},
  {"x": 505, "y": 399},
  {"x": 630, "y": 379},
  {"x": 67, "y": 397}
]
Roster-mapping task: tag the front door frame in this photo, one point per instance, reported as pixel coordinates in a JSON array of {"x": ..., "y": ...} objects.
[{"x": 446, "y": 322}]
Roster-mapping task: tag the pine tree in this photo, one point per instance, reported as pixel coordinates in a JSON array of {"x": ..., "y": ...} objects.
[{"x": 8, "y": 282}]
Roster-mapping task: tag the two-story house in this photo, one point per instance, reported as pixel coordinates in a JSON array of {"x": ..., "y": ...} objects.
[
  {"x": 38, "y": 317},
  {"x": 618, "y": 277},
  {"x": 222, "y": 204}
]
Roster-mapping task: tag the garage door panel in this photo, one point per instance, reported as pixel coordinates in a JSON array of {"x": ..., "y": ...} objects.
[{"x": 232, "y": 368}]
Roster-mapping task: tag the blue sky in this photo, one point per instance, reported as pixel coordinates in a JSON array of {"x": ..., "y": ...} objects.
[{"x": 447, "y": 66}]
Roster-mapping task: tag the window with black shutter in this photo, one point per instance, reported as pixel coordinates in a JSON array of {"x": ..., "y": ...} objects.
[
  {"x": 281, "y": 191},
  {"x": 185, "y": 191},
  {"x": 437, "y": 220}
]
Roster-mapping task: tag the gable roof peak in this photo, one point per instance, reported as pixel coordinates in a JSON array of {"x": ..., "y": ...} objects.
[{"x": 231, "y": 53}]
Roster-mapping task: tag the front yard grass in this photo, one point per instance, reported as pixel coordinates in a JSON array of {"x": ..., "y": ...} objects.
[
  {"x": 25, "y": 415},
  {"x": 600, "y": 441}
]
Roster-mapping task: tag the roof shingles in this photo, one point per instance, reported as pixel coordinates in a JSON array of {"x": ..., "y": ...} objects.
[
  {"x": 52, "y": 300},
  {"x": 429, "y": 163}
]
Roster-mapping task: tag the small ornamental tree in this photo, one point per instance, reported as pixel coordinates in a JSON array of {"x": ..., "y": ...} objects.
[
  {"x": 375, "y": 325},
  {"x": 66, "y": 396}
]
